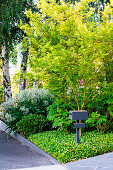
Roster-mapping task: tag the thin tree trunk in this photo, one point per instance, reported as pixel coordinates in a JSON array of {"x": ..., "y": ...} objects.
[
  {"x": 23, "y": 69},
  {"x": 6, "y": 75},
  {"x": 35, "y": 84}
]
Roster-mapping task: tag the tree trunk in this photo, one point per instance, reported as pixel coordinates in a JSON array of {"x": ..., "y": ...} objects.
[
  {"x": 6, "y": 75},
  {"x": 35, "y": 84},
  {"x": 23, "y": 70}
]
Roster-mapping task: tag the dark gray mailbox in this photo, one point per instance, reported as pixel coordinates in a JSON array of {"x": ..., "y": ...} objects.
[{"x": 78, "y": 115}]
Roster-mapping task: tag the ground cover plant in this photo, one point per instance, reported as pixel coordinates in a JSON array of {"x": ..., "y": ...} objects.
[{"x": 63, "y": 147}]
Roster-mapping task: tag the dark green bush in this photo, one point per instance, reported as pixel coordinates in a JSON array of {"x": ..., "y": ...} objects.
[
  {"x": 100, "y": 122},
  {"x": 31, "y": 124}
]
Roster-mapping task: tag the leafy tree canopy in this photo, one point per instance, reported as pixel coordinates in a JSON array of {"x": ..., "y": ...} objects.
[
  {"x": 10, "y": 14},
  {"x": 71, "y": 52}
]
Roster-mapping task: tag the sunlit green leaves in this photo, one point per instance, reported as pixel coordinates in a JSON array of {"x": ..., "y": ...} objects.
[{"x": 67, "y": 47}]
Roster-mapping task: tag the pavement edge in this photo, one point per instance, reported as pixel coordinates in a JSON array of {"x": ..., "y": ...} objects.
[{"x": 3, "y": 127}]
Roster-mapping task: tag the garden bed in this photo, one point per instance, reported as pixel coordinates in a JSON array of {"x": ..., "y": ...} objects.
[{"x": 63, "y": 147}]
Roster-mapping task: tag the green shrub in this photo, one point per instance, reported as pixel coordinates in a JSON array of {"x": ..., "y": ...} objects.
[
  {"x": 31, "y": 124},
  {"x": 58, "y": 112},
  {"x": 25, "y": 103},
  {"x": 98, "y": 121},
  {"x": 101, "y": 109},
  {"x": 63, "y": 147}
]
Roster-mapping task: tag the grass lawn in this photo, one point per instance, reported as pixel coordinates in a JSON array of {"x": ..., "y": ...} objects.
[{"x": 63, "y": 146}]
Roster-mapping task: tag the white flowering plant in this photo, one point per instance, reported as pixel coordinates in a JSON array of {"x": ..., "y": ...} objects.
[{"x": 27, "y": 102}]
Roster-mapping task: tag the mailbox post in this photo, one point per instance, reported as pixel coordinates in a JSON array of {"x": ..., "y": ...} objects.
[{"x": 78, "y": 115}]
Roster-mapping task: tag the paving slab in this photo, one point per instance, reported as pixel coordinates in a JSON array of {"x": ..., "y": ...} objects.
[
  {"x": 100, "y": 162},
  {"x": 14, "y": 155}
]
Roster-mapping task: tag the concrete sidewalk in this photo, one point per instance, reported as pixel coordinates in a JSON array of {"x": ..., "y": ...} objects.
[
  {"x": 101, "y": 162},
  {"x": 14, "y": 155}
]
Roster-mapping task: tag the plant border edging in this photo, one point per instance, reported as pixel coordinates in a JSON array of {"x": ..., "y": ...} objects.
[{"x": 24, "y": 141}]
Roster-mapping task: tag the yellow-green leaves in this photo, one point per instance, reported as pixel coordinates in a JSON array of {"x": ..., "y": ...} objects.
[
  {"x": 67, "y": 46},
  {"x": 108, "y": 13}
]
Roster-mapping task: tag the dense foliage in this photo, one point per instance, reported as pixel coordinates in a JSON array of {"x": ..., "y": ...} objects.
[
  {"x": 73, "y": 55},
  {"x": 64, "y": 148},
  {"x": 25, "y": 103},
  {"x": 58, "y": 112},
  {"x": 101, "y": 110},
  {"x": 71, "y": 52},
  {"x": 68, "y": 45},
  {"x": 31, "y": 124},
  {"x": 10, "y": 14}
]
